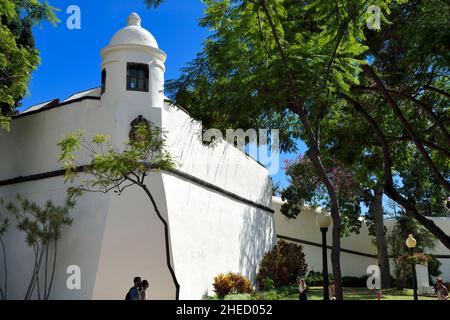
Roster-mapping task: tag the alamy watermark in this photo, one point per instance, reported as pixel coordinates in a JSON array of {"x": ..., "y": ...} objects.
[
  {"x": 73, "y": 22},
  {"x": 374, "y": 279},
  {"x": 262, "y": 145},
  {"x": 374, "y": 17},
  {"x": 73, "y": 281}
]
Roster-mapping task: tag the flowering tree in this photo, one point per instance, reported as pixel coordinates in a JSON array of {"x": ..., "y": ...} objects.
[{"x": 307, "y": 188}]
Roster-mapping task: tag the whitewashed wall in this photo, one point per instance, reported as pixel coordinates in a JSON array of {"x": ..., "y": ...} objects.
[
  {"x": 213, "y": 232},
  {"x": 115, "y": 238},
  {"x": 79, "y": 246},
  {"x": 304, "y": 228}
]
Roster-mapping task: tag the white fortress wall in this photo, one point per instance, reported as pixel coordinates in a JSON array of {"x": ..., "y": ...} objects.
[
  {"x": 357, "y": 253},
  {"x": 358, "y": 250},
  {"x": 79, "y": 245},
  {"x": 213, "y": 232},
  {"x": 31, "y": 149},
  {"x": 133, "y": 245}
]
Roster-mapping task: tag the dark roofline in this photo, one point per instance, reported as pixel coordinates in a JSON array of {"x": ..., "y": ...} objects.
[
  {"x": 98, "y": 87},
  {"x": 53, "y": 106}
]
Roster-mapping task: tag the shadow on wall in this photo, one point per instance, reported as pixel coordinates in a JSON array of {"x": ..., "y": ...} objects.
[{"x": 257, "y": 236}]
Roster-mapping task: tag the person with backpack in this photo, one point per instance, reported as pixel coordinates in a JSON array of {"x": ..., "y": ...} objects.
[{"x": 134, "y": 292}]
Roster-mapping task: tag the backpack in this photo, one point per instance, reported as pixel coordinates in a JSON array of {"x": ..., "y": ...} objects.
[{"x": 128, "y": 296}]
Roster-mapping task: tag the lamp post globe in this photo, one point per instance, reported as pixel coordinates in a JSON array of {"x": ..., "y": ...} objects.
[
  {"x": 323, "y": 221},
  {"x": 411, "y": 243}
]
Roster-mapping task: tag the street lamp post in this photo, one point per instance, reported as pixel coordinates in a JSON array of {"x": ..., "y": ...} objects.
[
  {"x": 323, "y": 221},
  {"x": 411, "y": 244}
]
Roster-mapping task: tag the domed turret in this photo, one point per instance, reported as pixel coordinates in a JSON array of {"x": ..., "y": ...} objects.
[
  {"x": 133, "y": 68},
  {"x": 134, "y": 34}
]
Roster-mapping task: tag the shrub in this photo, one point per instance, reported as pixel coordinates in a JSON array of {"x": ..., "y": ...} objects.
[
  {"x": 283, "y": 265},
  {"x": 315, "y": 279},
  {"x": 434, "y": 266},
  {"x": 240, "y": 284},
  {"x": 404, "y": 272},
  {"x": 268, "y": 284},
  {"x": 231, "y": 283}
]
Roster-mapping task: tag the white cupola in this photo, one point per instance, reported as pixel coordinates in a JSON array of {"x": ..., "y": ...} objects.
[
  {"x": 134, "y": 34},
  {"x": 133, "y": 68}
]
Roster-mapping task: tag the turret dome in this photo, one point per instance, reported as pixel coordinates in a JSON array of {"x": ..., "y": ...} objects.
[{"x": 134, "y": 34}]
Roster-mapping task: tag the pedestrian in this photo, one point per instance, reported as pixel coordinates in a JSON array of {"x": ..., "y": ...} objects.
[
  {"x": 441, "y": 290},
  {"x": 133, "y": 293},
  {"x": 302, "y": 289},
  {"x": 143, "y": 292},
  {"x": 332, "y": 291}
]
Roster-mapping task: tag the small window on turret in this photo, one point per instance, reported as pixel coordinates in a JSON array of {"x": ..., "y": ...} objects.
[
  {"x": 103, "y": 81},
  {"x": 137, "y": 77}
]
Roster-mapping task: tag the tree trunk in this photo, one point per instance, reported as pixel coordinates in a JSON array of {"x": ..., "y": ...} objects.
[
  {"x": 314, "y": 155},
  {"x": 380, "y": 234},
  {"x": 314, "y": 151},
  {"x": 49, "y": 289}
]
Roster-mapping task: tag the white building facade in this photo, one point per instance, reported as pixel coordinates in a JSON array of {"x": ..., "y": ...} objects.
[{"x": 217, "y": 202}]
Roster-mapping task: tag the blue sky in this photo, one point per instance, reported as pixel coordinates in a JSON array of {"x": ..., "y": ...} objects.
[{"x": 70, "y": 59}]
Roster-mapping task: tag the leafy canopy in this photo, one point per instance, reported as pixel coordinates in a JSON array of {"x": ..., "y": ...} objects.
[{"x": 18, "y": 55}]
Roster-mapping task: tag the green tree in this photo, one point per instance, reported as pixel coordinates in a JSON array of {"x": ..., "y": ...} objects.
[
  {"x": 111, "y": 170},
  {"x": 278, "y": 63},
  {"x": 306, "y": 188},
  {"x": 43, "y": 228},
  {"x": 18, "y": 55},
  {"x": 403, "y": 99}
]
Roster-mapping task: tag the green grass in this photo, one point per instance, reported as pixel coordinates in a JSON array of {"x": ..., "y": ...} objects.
[
  {"x": 363, "y": 294},
  {"x": 315, "y": 293}
]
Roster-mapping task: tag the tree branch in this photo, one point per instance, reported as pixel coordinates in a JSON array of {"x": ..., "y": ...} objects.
[
  {"x": 437, "y": 90},
  {"x": 408, "y": 128},
  {"x": 389, "y": 181},
  {"x": 433, "y": 117}
]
